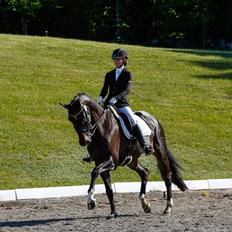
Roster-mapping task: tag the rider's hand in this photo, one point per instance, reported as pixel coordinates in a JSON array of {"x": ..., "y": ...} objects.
[
  {"x": 100, "y": 100},
  {"x": 112, "y": 101}
]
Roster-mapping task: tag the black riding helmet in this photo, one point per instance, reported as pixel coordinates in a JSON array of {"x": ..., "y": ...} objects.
[{"x": 120, "y": 53}]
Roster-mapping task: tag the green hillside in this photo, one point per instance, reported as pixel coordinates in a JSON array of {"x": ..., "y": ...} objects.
[{"x": 189, "y": 91}]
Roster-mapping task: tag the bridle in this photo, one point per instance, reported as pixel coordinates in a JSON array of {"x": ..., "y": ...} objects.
[{"x": 89, "y": 129}]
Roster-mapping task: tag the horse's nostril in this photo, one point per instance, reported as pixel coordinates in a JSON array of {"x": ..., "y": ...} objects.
[
  {"x": 82, "y": 143},
  {"x": 87, "y": 141},
  {"x": 84, "y": 140}
]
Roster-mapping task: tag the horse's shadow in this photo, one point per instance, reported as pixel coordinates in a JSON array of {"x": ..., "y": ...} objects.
[
  {"x": 33, "y": 222},
  {"x": 15, "y": 224}
]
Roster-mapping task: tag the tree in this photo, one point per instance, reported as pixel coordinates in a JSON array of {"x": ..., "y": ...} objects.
[
  {"x": 168, "y": 23},
  {"x": 25, "y": 8}
]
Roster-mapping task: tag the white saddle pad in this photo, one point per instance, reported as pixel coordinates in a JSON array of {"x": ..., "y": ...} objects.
[{"x": 146, "y": 131}]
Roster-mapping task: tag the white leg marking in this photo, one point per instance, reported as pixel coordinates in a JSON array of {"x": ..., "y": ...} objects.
[
  {"x": 91, "y": 197},
  {"x": 142, "y": 197},
  {"x": 170, "y": 203},
  {"x": 91, "y": 201},
  {"x": 145, "y": 204}
]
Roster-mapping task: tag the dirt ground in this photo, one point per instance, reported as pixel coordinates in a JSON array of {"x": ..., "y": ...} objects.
[{"x": 193, "y": 211}]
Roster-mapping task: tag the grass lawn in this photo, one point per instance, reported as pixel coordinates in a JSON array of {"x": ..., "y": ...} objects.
[{"x": 189, "y": 91}]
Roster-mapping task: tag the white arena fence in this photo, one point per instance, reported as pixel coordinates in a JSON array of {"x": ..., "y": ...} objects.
[{"x": 122, "y": 187}]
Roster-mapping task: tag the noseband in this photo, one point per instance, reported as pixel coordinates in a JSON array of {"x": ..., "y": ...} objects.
[{"x": 89, "y": 129}]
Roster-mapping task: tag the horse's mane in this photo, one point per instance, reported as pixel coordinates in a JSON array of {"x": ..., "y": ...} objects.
[{"x": 85, "y": 99}]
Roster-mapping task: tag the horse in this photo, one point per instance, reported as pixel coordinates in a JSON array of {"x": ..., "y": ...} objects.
[{"x": 100, "y": 132}]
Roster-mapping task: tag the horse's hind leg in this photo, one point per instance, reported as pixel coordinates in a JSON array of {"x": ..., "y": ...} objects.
[
  {"x": 164, "y": 167},
  {"x": 143, "y": 173},
  {"x": 167, "y": 177},
  {"x": 109, "y": 191},
  {"x": 165, "y": 170},
  {"x": 170, "y": 173}
]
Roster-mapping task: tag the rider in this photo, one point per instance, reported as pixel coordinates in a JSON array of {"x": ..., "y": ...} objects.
[{"x": 117, "y": 85}]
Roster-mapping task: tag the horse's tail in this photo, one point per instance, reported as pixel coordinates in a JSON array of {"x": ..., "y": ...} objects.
[{"x": 176, "y": 177}]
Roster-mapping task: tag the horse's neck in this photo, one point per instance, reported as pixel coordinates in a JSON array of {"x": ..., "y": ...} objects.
[{"x": 96, "y": 111}]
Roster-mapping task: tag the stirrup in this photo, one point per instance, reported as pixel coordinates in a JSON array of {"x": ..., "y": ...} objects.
[{"x": 148, "y": 150}]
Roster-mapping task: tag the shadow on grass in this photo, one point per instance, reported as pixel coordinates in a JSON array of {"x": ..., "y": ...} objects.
[
  {"x": 225, "y": 76},
  {"x": 214, "y": 65},
  {"x": 217, "y": 65},
  {"x": 223, "y": 54},
  {"x": 18, "y": 224}
]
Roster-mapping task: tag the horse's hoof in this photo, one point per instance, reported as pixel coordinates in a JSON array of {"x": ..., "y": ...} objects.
[
  {"x": 167, "y": 210},
  {"x": 145, "y": 204},
  {"x": 112, "y": 215},
  {"x": 146, "y": 207},
  {"x": 92, "y": 204}
]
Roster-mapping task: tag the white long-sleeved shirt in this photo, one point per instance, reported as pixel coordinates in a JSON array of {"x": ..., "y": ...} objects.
[{"x": 118, "y": 72}]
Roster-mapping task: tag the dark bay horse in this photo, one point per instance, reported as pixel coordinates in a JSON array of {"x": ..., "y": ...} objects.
[{"x": 98, "y": 129}]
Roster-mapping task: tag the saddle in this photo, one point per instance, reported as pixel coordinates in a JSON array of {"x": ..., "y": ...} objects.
[{"x": 126, "y": 126}]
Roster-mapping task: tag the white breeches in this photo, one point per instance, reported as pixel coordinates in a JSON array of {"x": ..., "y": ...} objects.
[{"x": 130, "y": 114}]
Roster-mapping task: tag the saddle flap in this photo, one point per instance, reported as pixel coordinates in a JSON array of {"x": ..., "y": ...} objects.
[
  {"x": 125, "y": 125},
  {"x": 121, "y": 123}
]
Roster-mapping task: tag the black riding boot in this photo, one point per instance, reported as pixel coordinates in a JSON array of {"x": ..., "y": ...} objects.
[{"x": 138, "y": 134}]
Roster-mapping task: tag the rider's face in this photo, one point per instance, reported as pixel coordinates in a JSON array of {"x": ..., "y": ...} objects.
[{"x": 118, "y": 62}]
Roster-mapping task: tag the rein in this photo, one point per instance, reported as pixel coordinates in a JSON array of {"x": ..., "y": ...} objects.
[{"x": 94, "y": 127}]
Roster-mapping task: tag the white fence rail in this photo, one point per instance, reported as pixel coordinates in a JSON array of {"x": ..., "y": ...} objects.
[{"x": 123, "y": 187}]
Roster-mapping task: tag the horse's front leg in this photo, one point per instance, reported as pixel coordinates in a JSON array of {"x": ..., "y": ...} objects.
[
  {"x": 105, "y": 166},
  {"x": 143, "y": 173},
  {"x": 109, "y": 191},
  {"x": 91, "y": 200}
]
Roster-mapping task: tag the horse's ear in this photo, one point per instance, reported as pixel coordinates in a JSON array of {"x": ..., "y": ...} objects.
[
  {"x": 66, "y": 106},
  {"x": 80, "y": 93}
]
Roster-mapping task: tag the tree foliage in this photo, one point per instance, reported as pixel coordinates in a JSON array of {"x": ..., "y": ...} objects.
[
  {"x": 170, "y": 23},
  {"x": 24, "y": 7}
]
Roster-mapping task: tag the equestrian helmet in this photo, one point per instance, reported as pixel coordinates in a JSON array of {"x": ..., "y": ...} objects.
[{"x": 120, "y": 53}]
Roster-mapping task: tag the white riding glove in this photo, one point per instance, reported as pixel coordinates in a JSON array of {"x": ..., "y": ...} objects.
[
  {"x": 112, "y": 101},
  {"x": 100, "y": 100}
]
